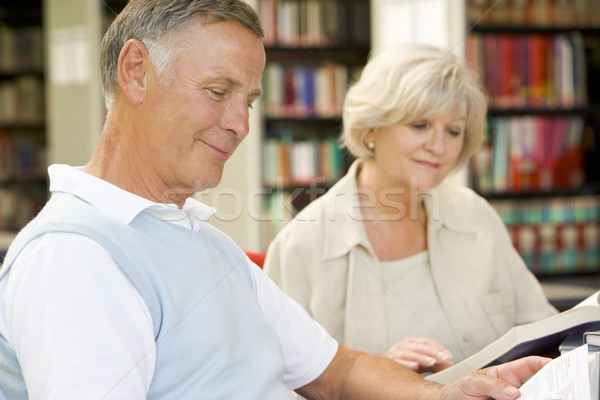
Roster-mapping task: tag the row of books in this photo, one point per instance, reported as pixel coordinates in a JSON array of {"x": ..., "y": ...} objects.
[
  {"x": 558, "y": 210},
  {"x": 535, "y": 12},
  {"x": 558, "y": 249},
  {"x": 315, "y": 162},
  {"x": 306, "y": 90},
  {"x": 315, "y": 23},
  {"x": 22, "y": 100},
  {"x": 554, "y": 236},
  {"x": 528, "y": 153},
  {"x": 21, "y": 48},
  {"x": 19, "y": 204},
  {"x": 22, "y": 155},
  {"x": 536, "y": 70}
]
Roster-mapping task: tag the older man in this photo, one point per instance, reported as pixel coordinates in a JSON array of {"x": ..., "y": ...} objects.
[{"x": 119, "y": 289}]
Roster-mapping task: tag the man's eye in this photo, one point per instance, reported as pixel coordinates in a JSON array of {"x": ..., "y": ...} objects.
[{"x": 218, "y": 93}]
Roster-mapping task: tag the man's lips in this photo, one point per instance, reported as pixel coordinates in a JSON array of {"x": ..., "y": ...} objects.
[{"x": 223, "y": 153}]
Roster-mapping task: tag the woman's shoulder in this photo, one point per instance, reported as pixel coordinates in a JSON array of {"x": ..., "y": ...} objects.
[
  {"x": 457, "y": 192},
  {"x": 310, "y": 226},
  {"x": 306, "y": 226},
  {"x": 458, "y": 197}
]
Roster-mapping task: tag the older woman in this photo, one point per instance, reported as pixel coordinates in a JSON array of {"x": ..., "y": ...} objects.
[{"x": 393, "y": 259}]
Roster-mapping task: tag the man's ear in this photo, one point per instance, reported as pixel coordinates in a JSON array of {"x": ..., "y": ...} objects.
[{"x": 134, "y": 70}]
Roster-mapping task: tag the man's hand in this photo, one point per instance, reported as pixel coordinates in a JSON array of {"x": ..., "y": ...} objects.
[
  {"x": 420, "y": 354},
  {"x": 499, "y": 382},
  {"x": 356, "y": 375}
]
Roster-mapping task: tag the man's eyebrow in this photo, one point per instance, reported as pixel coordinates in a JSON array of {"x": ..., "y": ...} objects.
[{"x": 256, "y": 93}]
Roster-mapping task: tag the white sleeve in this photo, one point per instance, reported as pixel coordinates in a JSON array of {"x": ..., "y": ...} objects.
[
  {"x": 79, "y": 328},
  {"x": 308, "y": 349}
]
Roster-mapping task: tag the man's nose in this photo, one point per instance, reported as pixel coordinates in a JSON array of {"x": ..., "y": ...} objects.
[{"x": 236, "y": 118}]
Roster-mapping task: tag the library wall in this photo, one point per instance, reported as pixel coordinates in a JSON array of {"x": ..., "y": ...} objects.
[{"x": 73, "y": 33}]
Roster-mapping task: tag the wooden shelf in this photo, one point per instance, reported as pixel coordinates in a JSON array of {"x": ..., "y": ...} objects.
[
  {"x": 520, "y": 29},
  {"x": 592, "y": 189}
]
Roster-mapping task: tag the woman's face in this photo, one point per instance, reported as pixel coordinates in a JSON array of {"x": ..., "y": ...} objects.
[{"x": 419, "y": 155}]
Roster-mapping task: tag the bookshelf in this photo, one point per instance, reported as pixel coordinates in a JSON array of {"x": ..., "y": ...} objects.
[
  {"x": 540, "y": 163},
  {"x": 23, "y": 181},
  {"x": 314, "y": 50}
]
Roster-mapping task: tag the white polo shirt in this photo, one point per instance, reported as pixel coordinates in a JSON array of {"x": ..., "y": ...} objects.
[{"x": 88, "y": 297}]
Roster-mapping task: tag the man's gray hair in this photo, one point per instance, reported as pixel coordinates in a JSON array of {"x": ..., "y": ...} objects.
[{"x": 156, "y": 23}]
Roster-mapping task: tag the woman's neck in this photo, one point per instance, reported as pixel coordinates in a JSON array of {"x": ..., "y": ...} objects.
[{"x": 395, "y": 219}]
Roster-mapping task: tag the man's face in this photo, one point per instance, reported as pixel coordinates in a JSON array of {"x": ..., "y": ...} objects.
[{"x": 194, "y": 124}]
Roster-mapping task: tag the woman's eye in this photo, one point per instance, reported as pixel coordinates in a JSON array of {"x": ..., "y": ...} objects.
[
  {"x": 420, "y": 125},
  {"x": 455, "y": 132}
]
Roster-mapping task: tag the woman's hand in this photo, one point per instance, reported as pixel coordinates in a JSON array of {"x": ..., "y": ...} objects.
[{"x": 420, "y": 354}]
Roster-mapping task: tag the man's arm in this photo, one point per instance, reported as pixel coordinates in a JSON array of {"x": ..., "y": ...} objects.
[
  {"x": 356, "y": 375},
  {"x": 78, "y": 326}
]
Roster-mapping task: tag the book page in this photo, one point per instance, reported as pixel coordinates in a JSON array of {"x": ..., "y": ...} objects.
[
  {"x": 593, "y": 300},
  {"x": 594, "y": 369},
  {"x": 564, "y": 378}
]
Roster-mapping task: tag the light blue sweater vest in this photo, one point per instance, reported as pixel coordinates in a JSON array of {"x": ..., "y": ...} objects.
[{"x": 212, "y": 338}]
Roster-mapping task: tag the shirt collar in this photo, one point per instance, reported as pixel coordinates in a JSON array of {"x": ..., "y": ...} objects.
[
  {"x": 121, "y": 204},
  {"x": 343, "y": 226},
  {"x": 445, "y": 208}
]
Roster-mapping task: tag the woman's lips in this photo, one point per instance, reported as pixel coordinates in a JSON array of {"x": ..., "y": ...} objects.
[{"x": 428, "y": 164}]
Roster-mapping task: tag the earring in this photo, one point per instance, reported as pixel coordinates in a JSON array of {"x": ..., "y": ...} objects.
[{"x": 371, "y": 145}]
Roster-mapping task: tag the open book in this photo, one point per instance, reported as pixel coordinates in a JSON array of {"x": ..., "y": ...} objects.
[
  {"x": 573, "y": 375},
  {"x": 536, "y": 338}
]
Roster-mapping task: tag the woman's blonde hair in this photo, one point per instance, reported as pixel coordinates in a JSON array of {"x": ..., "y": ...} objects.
[{"x": 407, "y": 83}]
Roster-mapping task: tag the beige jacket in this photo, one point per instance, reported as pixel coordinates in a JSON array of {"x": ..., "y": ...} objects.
[{"x": 324, "y": 261}]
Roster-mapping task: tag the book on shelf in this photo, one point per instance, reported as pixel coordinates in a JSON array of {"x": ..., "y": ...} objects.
[
  {"x": 22, "y": 154},
  {"x": 306, "y": 90},
  {"x": 21, "y": 48},
  {"x": 301, "y": 162},
  {"x": 555, "y": 236},
  {"x": 532, "y": 154},
  {"x": 536, "y": 338},
  {"x": 21, "y": 99},
  {"x": 315, "y": 23},
  {"x": 572, "y": 13},
  {"x": 536, "y": 70}
]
